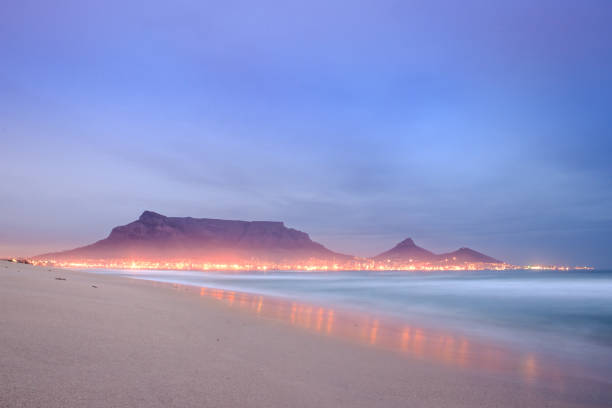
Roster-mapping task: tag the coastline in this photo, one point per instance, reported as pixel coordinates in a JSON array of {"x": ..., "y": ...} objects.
[{"x": 129, "y": 342}]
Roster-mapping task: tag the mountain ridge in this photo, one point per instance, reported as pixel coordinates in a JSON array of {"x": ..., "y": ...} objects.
[
  {"x": 157, "y": 236},
  {"x": 407, "y": 251},
  {"x": 154, "y": 236}
]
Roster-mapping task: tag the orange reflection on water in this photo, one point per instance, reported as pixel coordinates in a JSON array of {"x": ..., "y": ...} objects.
[
  {"x": 319, "y": 319},
  {"x": 330, "y": 321},
  {"x": 444, "y": 347},
  {"x": 373, "y": 332},
  {"x": 530, "y": 368}
]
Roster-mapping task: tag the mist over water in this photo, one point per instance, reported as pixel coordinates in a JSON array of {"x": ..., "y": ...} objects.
[{"x": 562, "y": 314}]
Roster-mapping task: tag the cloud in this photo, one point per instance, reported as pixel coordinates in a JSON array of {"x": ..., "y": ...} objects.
[{"x": 462, "y": 123}]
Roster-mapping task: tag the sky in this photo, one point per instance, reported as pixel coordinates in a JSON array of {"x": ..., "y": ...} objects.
[{"x": 478, "y": 123}]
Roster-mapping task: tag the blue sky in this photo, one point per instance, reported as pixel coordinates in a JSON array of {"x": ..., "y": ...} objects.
[{"x": 485, "y": 124}]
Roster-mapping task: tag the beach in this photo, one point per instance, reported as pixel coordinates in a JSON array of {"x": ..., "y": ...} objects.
[{"x": 71, "y": 338}]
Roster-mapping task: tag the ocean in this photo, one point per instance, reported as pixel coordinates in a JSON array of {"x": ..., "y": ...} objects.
[{"x": 560, "y": 319}]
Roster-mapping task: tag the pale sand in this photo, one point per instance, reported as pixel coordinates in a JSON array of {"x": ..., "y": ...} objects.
[{"x": 129, "y": 343}]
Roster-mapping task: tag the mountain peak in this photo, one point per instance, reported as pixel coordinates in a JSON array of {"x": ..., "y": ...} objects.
[
  {"x": 407, "y": 243},
  {"x": 464, "y": 254},
  {"x": 409, "y": 251},
  {"x": 148, "y": 215}
]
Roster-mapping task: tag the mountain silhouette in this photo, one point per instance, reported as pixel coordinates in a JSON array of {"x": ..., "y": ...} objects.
[{"x": 157, "y": 237}]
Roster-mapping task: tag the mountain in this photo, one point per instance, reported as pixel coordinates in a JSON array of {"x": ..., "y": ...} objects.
[
  {"x": 468, "y": 255},
  {"x": 407, "y": 251},
  {"x": 155, "y": 237}
]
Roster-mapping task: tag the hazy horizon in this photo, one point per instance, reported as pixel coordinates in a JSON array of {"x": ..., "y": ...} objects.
[{"x": 438, "y": 252}]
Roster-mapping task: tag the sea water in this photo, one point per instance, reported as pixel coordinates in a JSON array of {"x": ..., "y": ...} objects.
[{"x": 563, "y": 314}]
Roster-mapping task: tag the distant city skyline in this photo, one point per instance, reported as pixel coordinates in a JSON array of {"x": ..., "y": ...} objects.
[{"x": 478, "y": 124}]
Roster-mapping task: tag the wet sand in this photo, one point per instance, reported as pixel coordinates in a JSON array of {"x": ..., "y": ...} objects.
[{"x": 130, "y": 343}]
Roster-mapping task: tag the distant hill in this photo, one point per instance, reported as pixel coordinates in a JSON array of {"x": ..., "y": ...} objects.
[
  {"x": 157, "y": 237},
  {"x": 467, "y": 255},
  {"x": 408, "y": 252}
]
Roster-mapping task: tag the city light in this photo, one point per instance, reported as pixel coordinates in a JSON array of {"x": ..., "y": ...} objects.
[{"x": 312, "y": 266}]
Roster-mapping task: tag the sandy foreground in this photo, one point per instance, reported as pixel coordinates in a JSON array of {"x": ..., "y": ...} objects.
[{"x": 129, "y": 343}]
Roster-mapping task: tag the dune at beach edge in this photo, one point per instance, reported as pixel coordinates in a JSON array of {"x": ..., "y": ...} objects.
[{"x": 99, "y": 341}]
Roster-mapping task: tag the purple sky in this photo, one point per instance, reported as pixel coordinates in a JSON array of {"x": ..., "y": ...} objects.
[{"x": 485, "y": 124}]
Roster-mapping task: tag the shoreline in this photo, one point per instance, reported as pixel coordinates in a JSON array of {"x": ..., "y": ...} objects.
[
  {"x": 159, "y": 347},
  {"x": 523, "y": 352}
]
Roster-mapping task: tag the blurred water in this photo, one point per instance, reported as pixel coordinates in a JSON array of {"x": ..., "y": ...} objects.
[{"x": 565, "y": 314}]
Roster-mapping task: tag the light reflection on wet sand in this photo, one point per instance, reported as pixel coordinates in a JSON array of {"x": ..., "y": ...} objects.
[{"x": 409, "y": 340}]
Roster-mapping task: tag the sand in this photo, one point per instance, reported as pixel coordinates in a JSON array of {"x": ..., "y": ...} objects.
[{"x": 129, "y": 343}]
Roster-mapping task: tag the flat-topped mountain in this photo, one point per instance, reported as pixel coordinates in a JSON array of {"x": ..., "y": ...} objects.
[
  {"x": 157, "y": 237},
  {"x": 407, "y": 252}
]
